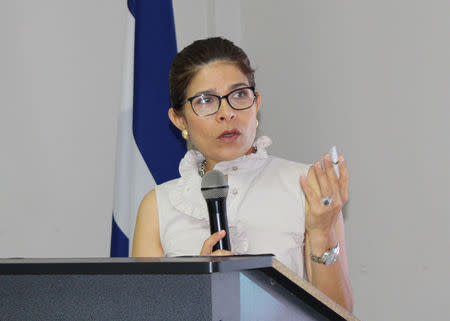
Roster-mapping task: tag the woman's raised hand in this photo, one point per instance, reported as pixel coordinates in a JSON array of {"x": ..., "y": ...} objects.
[
  {"x": 209, "y": 243},
  {"x": 325, "y": 194}
]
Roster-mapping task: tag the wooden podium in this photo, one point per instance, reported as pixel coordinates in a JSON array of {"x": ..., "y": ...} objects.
[{"x": 231, "y": 288}]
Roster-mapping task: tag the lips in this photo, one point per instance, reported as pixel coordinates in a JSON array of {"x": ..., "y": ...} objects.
[{"x": 229, "y": 136}]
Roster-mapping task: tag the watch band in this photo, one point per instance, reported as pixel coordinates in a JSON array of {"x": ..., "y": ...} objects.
[{"x": 327, "y": 258}]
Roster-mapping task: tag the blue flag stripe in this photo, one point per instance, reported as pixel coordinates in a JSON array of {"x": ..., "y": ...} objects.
[
  {"x": 119, "y": 241},
  {"x": 132, "y": 6},
  {"x": 157, "y": 140},
  {"x": 155, "y": 48}
]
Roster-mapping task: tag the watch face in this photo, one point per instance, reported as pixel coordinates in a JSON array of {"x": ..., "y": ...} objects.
[
  {"x": 327, "y": 258},
  {"x": 330, "y": 256}
]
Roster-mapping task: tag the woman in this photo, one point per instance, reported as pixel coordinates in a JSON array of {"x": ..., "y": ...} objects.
[{"x": 274, "y": 205}]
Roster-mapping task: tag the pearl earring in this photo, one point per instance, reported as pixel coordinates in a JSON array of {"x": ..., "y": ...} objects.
[{"x": 185, "y": 134}]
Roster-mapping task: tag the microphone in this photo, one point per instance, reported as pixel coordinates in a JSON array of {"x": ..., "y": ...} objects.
[{"x": 215, "y": 189}]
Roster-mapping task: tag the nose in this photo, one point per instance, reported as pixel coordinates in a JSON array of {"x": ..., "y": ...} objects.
[{"x": 225, "y": 112}]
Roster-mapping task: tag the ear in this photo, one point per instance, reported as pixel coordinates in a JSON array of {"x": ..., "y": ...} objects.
[
  {"x": 177, "y": 119},
  {"x": 258, "y": 101}
]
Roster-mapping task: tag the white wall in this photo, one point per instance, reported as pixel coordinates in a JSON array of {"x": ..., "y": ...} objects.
[
  {"x": 370, "y": 77},
  {"x": 60, "y": 83}
]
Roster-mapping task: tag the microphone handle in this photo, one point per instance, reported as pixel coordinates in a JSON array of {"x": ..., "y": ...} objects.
[{"x": 217, "y": 210}]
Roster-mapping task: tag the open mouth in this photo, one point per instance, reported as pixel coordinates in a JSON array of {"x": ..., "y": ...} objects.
[{"x": 229, "y": 135}]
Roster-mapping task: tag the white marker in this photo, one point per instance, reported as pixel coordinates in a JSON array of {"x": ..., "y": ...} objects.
[{"x": 334, "y": 159}]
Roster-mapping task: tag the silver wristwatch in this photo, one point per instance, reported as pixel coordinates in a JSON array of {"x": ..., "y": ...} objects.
[{"x": 329, "y": 257}]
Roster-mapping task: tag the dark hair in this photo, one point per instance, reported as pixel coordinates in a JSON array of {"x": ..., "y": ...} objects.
[{"x": 202, "y": 52}]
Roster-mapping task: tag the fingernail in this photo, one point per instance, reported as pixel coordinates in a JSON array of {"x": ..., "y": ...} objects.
[
  {"x": 327, "y": 157},
  {"x": 302, "y": 178},
  {"x": 341, "y": 158},
  {"x": 317, "y": 164}
]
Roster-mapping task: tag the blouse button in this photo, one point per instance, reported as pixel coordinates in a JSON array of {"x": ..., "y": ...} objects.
[
  {"x": 234, "y": 191},
  {"x": 235, "y": 168}
]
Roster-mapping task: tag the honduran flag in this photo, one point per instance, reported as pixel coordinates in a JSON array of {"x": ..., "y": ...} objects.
[{"x": 149, "y": 148}]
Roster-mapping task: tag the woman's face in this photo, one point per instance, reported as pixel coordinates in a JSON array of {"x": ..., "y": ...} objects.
[{"x": 229, "y": 133}]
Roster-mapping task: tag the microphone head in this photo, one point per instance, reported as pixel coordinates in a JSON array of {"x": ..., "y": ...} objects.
[{"x": 214, "y": 185}]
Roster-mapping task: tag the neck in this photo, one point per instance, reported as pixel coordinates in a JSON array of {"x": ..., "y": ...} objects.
[{"x": 211, "y": 163}]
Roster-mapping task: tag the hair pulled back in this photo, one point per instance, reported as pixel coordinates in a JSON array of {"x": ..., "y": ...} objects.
[{"x": 198, "y": 54}]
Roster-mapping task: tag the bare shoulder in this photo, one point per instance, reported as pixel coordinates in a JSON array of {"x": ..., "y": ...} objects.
[
  {"x": 147, "y": 242},
  {"x": 149, "y": 202},
  {"x": 148, "y": 210}
]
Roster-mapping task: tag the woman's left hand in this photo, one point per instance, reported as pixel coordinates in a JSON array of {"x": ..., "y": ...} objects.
[
  {"x": 321, "y": 184},
  {"x": 324, "y": 229}
]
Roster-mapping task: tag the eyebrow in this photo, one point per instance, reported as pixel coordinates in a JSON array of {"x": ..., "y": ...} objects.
[{"x": 213, "y": 91}]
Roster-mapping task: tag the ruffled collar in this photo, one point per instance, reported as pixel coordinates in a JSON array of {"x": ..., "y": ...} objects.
[
  {"x": 193, "y": 158},
  {"x": 186, "y": 196}
]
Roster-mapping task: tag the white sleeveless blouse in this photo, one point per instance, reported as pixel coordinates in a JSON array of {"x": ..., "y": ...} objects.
[{"x": 265, "y": 207}]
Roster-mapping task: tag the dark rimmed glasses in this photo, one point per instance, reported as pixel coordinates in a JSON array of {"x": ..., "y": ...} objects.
[{"x": 209, "y": 104}]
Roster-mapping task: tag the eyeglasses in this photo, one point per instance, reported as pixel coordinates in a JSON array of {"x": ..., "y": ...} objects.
[{"x": 209, "y": 104}]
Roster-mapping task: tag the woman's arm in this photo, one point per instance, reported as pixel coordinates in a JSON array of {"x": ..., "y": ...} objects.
[
  {"x": 147, "y": 242},
  {"x": 325, "y": 228}
]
